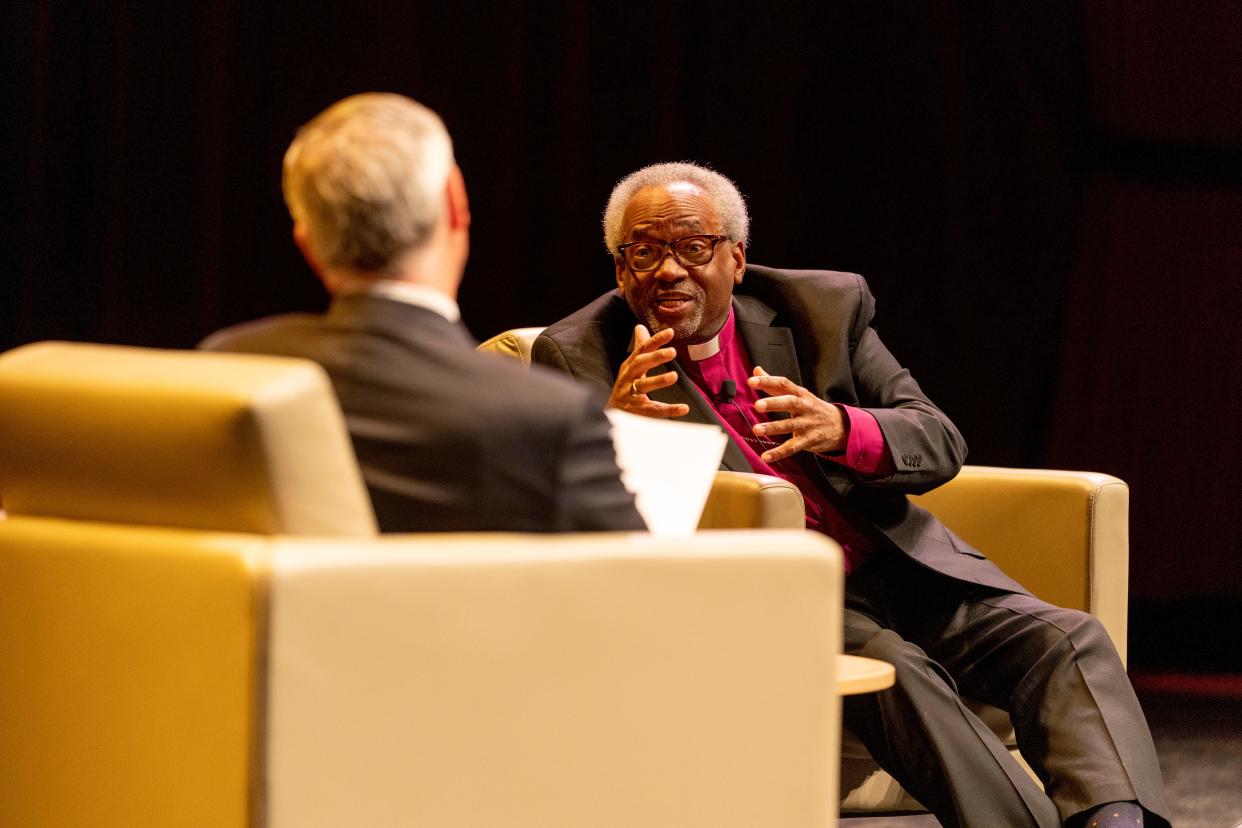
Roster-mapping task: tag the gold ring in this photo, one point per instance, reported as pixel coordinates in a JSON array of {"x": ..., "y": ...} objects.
[{"x": 634, "y": 392}]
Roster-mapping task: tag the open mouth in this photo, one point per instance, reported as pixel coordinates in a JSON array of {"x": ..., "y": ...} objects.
[{"x": 673, "y": 304}]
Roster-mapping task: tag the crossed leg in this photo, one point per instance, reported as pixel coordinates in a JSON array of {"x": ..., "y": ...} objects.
[{"x": 1055, "y": 670}]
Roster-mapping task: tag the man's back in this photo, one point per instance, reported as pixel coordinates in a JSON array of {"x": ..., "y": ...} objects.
[{"x": 450, "y": 439}]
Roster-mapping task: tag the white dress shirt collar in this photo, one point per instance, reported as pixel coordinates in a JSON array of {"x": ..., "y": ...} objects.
[
  {"x": 412, "y": 294},
  {"x": 703, "y": 350}
]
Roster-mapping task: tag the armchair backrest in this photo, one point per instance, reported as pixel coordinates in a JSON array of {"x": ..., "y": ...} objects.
[
  {"x": 1064, "y": 535},
  {"x": 176, "y": 438}
]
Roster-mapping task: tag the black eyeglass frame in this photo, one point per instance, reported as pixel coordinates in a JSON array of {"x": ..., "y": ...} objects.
[{"x": 670, "y": 247}]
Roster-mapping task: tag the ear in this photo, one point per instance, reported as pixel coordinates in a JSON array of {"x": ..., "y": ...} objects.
[
  {"x": 619, "y": 262},
  {"x": 303, "y": 244},
  {"x": 739, "y": 262},
  {"x": 458, "y": 205}
]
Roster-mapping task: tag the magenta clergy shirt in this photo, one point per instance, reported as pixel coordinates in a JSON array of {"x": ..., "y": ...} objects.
[{"x": 865, "y": 450}]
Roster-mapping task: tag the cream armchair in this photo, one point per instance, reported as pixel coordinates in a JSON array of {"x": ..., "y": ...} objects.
[
  {"x": 1062, "y": 534},
  {"x": 199, "y": 626}
]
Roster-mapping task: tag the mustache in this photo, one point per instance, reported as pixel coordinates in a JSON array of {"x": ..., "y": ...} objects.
[{"x": 685, "y": 289}]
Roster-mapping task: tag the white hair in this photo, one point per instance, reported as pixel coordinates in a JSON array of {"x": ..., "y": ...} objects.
[
  {"x": 725, "y": 197},
  {"x": 366, "y": 179}
]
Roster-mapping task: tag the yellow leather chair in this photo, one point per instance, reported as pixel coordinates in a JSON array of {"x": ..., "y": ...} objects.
[
  {"x": 1062, "y": 534},
  {"x": 200, "y": 626}
]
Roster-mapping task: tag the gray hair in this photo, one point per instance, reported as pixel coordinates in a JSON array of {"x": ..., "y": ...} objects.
[
  {"x": 366, "y": 179},
  {"x": 728, "y": 201}
]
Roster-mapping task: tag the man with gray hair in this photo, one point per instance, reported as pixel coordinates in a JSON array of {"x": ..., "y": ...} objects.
[
  {"x": 788, "y": 364},
  {"x": 448, "y": 439}
]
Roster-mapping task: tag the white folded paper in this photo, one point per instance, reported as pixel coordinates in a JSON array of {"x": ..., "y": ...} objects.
[{"x": 669, "y": 467}]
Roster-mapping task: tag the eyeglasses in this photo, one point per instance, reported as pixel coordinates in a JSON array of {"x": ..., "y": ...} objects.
[{"x": 691, "y": 251}]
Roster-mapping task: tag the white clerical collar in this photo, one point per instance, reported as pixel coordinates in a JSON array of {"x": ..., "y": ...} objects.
[
  {"x": 703, "y": 350},
  {"x": 412, "y": 294}
]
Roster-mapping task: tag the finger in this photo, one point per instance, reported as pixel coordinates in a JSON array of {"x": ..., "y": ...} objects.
[
  {"x": 633, "y": 385},
  {"x": 773, "y": 456},
  {"x": 641, "y": 336},
  {"x": 651, "y": 408},
  {"x": 654, "y": 383},
  {"x": 772, "y": 385},
  {"x": 788, "y": 425},
  {"x": 786, "y": 449},
  {"x": 644, "y": 341},
  {"x": 784, "y": 402},
  {"x": 644, "y": 406},
  {"x": 637, "y": 364},
  {"x": 661, "y": 338}
]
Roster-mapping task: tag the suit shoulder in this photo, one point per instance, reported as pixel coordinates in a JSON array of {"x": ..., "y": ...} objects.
[
  {"x": 538, "y": 402},
  {"x": 506, "y": 379},
  {"x": 840, "y": 281},
  {"x": 807, "y": 289},
  {"x": 258, "y": 332}
]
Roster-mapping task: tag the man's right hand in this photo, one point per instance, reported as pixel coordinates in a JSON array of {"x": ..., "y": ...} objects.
[{"x": 629, "y": 392}]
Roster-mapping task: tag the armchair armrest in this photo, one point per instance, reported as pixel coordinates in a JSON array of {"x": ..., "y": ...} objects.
[
  {"x": 1064, "y": 535},
  {"x": 743, "y": 500},
  {"x": 131, "y": 657}
]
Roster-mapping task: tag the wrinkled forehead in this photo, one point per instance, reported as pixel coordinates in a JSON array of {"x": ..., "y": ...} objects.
[{"x": 679, "y": 207}]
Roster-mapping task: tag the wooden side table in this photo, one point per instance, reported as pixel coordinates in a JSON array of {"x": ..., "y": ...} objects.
[{"x": 856, "y": 674}]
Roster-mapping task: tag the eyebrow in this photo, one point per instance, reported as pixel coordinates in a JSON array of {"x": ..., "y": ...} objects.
[{"x": 645, "y": 229}]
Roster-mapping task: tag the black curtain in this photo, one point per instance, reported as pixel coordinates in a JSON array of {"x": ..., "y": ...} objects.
[{"x": 1044, "y": 197}]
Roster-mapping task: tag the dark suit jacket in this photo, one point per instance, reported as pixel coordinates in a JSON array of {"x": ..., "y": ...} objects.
[
  {"x": 448, "y": 438},
  {"x": 814, "y": 327}
]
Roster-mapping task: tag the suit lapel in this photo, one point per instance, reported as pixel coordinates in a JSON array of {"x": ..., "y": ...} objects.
[{"x": 771, "y": 347}]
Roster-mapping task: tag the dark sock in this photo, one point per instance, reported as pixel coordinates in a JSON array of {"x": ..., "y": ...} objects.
[{"x": 1112, "y": 815}]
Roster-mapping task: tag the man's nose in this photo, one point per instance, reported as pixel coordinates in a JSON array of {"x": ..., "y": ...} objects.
[{"x": 669, "y": 269}]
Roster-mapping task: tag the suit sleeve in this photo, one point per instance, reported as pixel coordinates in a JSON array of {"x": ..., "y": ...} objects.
[
  {"x": 592, "y": 498},
  {"x": 926, "y": 448}
]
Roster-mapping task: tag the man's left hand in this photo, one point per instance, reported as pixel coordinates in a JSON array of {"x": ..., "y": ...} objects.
[{"x": 813, "y": 424}]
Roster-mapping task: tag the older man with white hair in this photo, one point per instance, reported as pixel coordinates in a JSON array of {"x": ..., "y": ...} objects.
[
  {"x": 788, "y": 365},
  {"x": 448, "y": 438}
]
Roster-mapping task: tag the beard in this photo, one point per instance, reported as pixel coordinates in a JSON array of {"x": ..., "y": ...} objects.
[{"x": 686, "y": 324}]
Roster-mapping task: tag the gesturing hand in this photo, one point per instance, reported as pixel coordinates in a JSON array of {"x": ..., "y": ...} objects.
[
  {"x": 813, "y": 424},
  {"x": 629, "y": 392}
]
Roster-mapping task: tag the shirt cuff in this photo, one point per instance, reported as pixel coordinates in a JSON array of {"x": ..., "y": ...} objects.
[{"x": 865, "y": 450}]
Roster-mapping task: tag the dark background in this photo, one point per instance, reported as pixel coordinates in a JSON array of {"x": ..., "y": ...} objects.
[{"x": 1046, "y": 198}]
